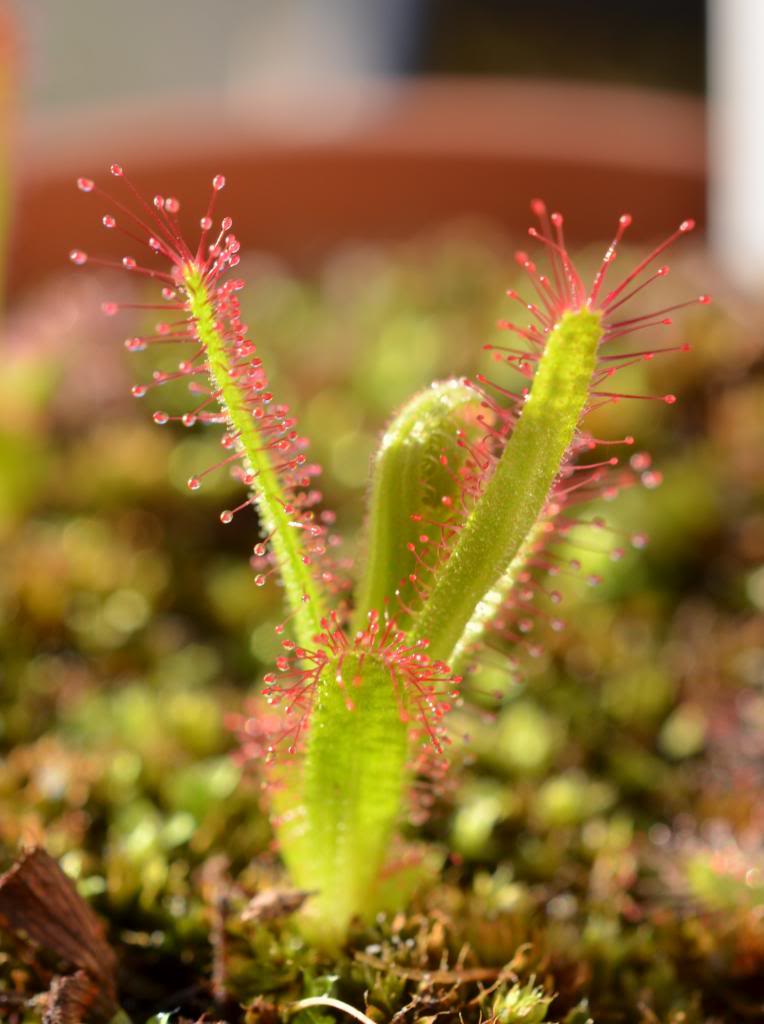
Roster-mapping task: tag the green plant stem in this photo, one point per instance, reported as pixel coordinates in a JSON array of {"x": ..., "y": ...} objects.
[
  {"x": 514, "y": 498},
  {"x": 306, "y": 600},
  {"x": 489, "y": 606},
  {"x": 338, "y": 818}
]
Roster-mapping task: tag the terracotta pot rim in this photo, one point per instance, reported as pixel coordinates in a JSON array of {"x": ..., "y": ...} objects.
[
  {"x": 524, "y": 118},
  {"x": 383, "y": 161}
]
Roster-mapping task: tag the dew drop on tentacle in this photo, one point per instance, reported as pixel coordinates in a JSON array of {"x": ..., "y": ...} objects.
[
  {"x": 652, "y": 479},
  {"x": 156, "y": 218}
]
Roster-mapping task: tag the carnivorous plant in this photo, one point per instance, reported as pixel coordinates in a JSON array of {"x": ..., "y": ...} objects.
[{"x": 474, "y": 484}]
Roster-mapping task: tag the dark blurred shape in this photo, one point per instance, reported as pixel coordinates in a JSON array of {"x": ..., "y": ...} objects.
[{"x": 639, "y": 42}]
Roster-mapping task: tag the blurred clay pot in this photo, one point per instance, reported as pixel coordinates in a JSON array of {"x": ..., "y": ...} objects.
[{"x": 371, "y": 161}]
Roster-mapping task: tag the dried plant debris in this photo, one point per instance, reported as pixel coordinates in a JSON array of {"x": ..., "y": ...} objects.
[
  {"x": 77, "y": 997},
  {"x": 40, "y": 907},
  {"x": 272, "y": 904}
]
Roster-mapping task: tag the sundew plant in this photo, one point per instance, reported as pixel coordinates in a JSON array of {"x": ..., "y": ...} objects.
[{"x": 477, "y": 487}]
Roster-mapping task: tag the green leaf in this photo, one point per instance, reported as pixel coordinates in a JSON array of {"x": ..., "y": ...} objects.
[
  {"x": 306, "y": 597},
  {"x": 409, "y": 479},
  {"x": 336, "y": 824},
  {"x": 502, "y": 521}
]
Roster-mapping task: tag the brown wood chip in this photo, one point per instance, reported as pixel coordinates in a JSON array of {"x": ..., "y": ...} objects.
[
  {"x": 40, "y": 905},
  {"x": 74, "y": 998}
]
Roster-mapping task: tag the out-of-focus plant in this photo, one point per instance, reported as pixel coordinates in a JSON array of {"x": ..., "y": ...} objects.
[
  {"x": 521, "y": 1004},
  {"x": 475, "y": 483},
  {"x": 7, "y": 111}
]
